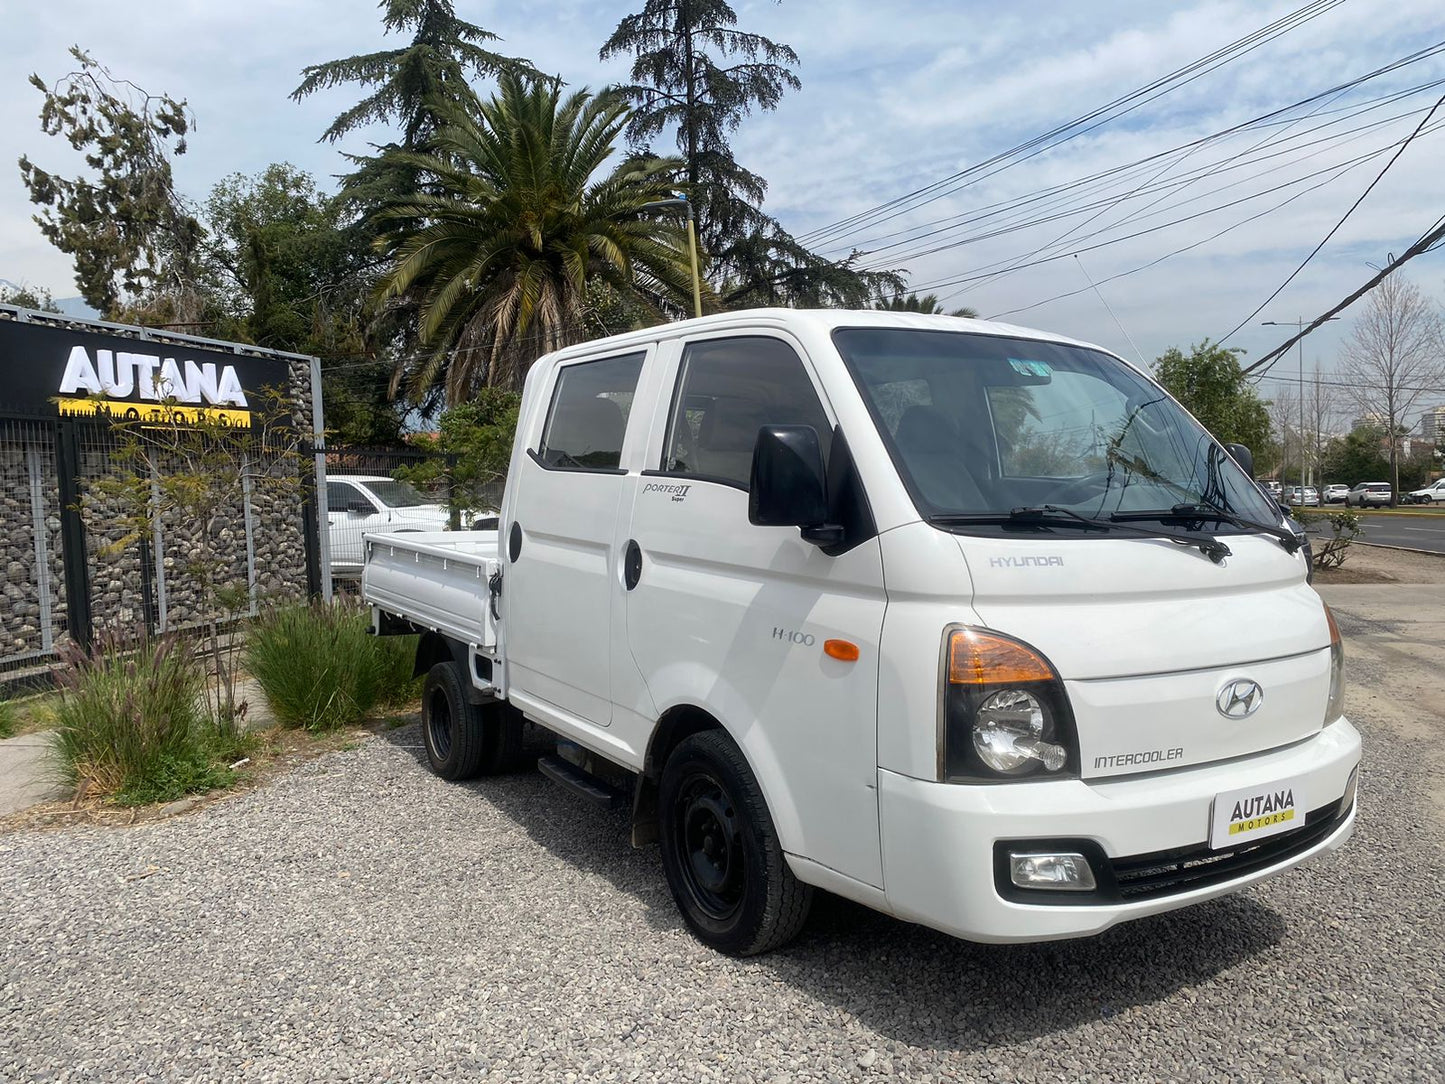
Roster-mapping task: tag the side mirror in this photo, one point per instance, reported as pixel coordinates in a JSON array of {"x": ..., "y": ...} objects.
[
  {"x": 358, "y": 506},
  {"x": 1243, "y": 456},
  {"x": 788, "y": 487}
]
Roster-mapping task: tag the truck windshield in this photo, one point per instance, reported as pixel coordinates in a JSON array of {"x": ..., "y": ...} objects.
[
  {"x": 981, "y": 425},
  {"x": 399, "y": 494}
]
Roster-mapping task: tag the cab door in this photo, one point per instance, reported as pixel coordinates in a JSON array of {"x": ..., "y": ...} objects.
[
  {"x": 732, "y": 618},
  {"x": 561, "y": 544}
]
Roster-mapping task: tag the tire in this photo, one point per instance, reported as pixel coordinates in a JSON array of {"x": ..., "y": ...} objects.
[
  {"x": 464, "y": 740},
  {"x": 721, "y": 853}
]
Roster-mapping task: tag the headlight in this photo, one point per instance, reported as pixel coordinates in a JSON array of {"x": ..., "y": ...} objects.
[
  {"x": 1335, "y": 706},
  {"x": 1005, "y": 715}
]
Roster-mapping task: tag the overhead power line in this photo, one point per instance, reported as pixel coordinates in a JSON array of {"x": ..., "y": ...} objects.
[
  {"x": 1335, "y": 229},
  {"x": 1080, "y": 125},
  {"x": 1428, "y": 240}
]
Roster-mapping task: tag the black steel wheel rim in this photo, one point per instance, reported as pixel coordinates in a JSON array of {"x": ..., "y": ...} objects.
[
  {"x": 708, "y": 846},
  {"x": 439, "y": 724}
]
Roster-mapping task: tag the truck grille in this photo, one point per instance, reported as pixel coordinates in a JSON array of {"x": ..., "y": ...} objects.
[{"x": 1168, "y": 873}]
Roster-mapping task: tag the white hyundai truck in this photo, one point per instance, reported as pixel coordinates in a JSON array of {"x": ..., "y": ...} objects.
[{"x": 972, "y": 624}]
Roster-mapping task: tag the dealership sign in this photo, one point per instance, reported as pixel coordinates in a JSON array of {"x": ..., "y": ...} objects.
[{"x": 83, "y": 372}]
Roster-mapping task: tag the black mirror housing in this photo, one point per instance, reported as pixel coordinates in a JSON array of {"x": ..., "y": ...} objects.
[
  {"x": 788, "y": 487},
  {"x": 1243, "y": 456},
  {"x": 359, "y": 507}
]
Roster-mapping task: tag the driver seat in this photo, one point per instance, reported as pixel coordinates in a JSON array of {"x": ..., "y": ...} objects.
[{"x": 936, "y": 456}]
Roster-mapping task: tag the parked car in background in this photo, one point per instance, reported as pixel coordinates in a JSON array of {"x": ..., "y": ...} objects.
[
  {"x": 1335, "y": 493},
  {"x": 358, "y": 504},
  {"x": 1435, "y": 491},
  {"x": 1305, "y": 496},
  {"x": 1368, "y": 493},
  {"x": 1274, "y": 488}
]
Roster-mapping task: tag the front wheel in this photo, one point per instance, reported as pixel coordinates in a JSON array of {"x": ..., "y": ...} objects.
[{"x": 721, "y": 853}]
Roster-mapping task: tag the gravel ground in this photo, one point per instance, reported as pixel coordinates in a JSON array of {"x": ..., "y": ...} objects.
[{"x": 360, "y": 919}]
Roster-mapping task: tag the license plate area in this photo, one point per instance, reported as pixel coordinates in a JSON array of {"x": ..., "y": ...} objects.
[{"x": 1249, "y": 814}]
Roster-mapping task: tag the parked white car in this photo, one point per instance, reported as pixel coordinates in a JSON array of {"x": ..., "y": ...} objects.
[
  {"x": 357, "y": 504},
  {"x": 1336, "y": 492},
  {"x": 965, "y": 622},
  {"x": 1432, "y": 493}
]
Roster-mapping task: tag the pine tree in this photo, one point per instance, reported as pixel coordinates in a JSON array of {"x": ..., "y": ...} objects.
[
  {"x": 433, "y": 66},
  {"x": 696, "y": 74}
]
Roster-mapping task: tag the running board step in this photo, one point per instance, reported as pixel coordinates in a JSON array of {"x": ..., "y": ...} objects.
[{"x": 588, "y": 786}]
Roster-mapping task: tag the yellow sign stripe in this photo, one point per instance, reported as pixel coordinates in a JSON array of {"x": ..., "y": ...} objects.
[{"x": 156, "y": 413}]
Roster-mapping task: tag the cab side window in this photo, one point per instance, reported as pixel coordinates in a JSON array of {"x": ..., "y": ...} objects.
[
  {"x": 588, "y": 416},
  {"x": 339, "y": 495},
  {"x": 727, "y": 390}
]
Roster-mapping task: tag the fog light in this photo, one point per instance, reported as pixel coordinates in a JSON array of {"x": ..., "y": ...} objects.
[{"x": 1064, "y": 872}]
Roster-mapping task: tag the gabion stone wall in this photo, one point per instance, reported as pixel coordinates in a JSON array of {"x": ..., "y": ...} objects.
[
  {"x": 32, "y": 601},
  {"x": 254, "y": 541}
]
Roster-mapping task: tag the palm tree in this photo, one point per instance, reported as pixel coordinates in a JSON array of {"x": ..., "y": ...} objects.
[
  {"x": 928, "y": 304},
  {"x": 500, "y": 245}
]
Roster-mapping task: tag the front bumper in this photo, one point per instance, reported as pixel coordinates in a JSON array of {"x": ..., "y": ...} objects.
[{"x": 939, "y": 839}]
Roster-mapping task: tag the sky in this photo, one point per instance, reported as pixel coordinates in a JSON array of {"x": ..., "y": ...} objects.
[{"x": 896, "y": 97}]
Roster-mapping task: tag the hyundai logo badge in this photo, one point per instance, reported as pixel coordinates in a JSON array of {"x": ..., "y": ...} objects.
[{"x": 1239, "y": 699}]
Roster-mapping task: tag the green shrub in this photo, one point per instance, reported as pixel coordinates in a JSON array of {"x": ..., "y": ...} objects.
[
  {"x": 1345, "y": 528},
  {"x": 395, "y": 658},
  {"x": 320, "y": 667},
  {"x": 8, "y": 719},
  {"x": 131, "y": 723}
]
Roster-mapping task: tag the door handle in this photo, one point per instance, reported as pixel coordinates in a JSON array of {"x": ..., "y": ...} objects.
[{"x": 632, "y": 564}]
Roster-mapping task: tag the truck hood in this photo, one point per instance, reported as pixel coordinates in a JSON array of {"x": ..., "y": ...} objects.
[
  {"x": 433, "y": 514},
  {"x": 1147, "y": 634}
]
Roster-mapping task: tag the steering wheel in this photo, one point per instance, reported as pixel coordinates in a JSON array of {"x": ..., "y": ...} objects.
[{"x": 1077, "y": 490}]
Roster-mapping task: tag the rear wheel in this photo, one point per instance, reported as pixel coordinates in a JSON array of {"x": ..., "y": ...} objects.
[
  {"x": 462, "y": 739},
  {"x": 721, "y": 853}
]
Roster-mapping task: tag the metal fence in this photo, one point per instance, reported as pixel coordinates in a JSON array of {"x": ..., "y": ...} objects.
[
  {"x": 80, "y": 558},
  {"x": 90, "y": 540}
]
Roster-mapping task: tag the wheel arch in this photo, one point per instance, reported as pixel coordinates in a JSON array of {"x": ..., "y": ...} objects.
[
  {"x": 434, "y": 647},
  {"x": 680, "y": 721}
]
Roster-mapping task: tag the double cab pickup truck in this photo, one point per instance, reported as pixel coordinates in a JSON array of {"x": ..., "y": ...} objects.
[{"x": 972, "y": 624}]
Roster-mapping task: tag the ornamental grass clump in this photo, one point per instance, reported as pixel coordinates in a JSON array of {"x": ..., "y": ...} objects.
[
  {"x": 321, "y": 668},
  {"x": 131, "y": 721}
]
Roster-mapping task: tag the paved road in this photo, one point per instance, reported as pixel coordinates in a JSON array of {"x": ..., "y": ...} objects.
[{"x": 1417, "y": 531}]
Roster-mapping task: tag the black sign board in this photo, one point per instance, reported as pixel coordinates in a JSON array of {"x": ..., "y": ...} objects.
[{"x": 78, "y": 371}]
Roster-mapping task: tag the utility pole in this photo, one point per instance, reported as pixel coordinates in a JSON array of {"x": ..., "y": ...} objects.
[{"x": 1299, "y": 322}]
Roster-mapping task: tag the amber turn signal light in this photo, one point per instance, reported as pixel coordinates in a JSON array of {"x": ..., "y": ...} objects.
[
  {"x": 841, "y": 649},
  {"x": 976, "y": 657}
]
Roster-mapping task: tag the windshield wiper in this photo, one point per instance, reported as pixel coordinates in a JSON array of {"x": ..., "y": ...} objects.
[
  {"x": 1200, "y": 511},
  {"x": 1053, "y": 515}
]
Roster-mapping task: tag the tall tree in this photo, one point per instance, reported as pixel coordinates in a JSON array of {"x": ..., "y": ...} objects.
[
  {"x": 695, "y": 74},
  {"x": 519, "y": 221},
  {"x": 28, "y": 297},
  {"x": 291, "y": 273},
  {"x": 125, "y": 226},
  {"x": 1210, "y": 384},
  {"x": 1393, "y": 357},
  {"x": 433, "y": 66}
]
